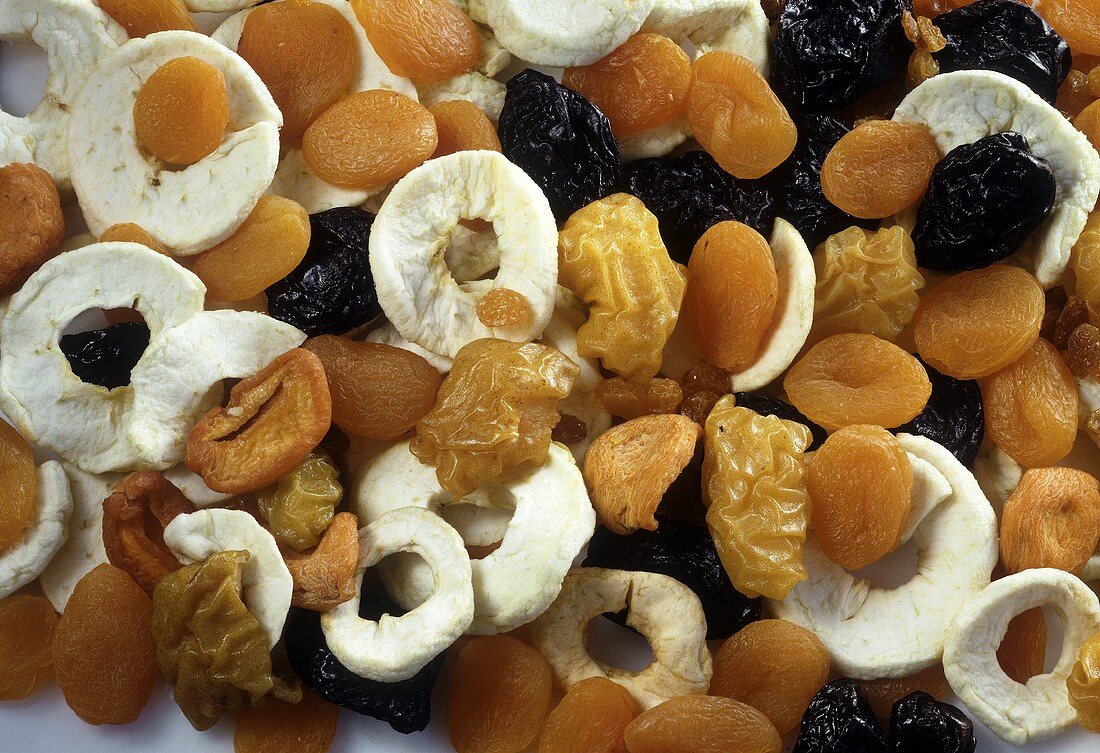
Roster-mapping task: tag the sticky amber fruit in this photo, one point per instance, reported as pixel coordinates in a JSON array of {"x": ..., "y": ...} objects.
[
  {"x": 860, "y": 483},
  {"x": 978, "y": 322},
  {"x": 499, "y": 697},
  {"x": 425, "y": 40},
  {"x": 34, "y": 226},
  {"x": 638, "y": 86},
  {"x": 265, "y": 249},
  {"x": 300, "y": 506},
  {"x": 308, "y": 726},
  {"x": 1073, "y": 94},
  {"x": 1078, "y": 21},
  {"x": 306, "y": 54},
  {"x": 501, "y": 307},
  {"x": 1023, "y": 650},
  {"x": 591, "y": 718},
  {"x": 103, "y": 654},
  {"x": 128, "y": 232},
  {"x": 933, "y": 8},
  {"x": 702, "y": 724},
  {"x": 462, "y": 126},
  {"x": 369, "y": 139},
  {"x": 19, "y": 481},
  {"x": 1031, "y": 407},
  {"x": 857, "y": 379},
  {"x": 1088, "y": 122},
  {"x": 1086, "y": 266},
  {"x": 1084, "y": 685},
  {"x": 736, "y": 116},
  {"x": 774, "y": 666},
  {"x": 181, "y": 111},
  {"x": 1051, "y": 519},
  {"x": 141, "y": 18},
  {"x": 27, "y": 625},
  {"x": 883, "y": 693},
  {"x": 633, "y": 399},
  {"x": 732, "y": 291}
]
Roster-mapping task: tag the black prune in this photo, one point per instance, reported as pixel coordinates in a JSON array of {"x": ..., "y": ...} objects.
[
  {"x": 686, "y": 552},
  {"x": 983, "y": 200},
  {"x": 773, "y": 406},
  {"x": 689, "y": 193},
  {"x": 831, "y": 52},
  {"x": 106, "y": 356},
  {"x": 839, "y": 720},
  {"x": 954, "y": 416},
  {"x": 332, "y": 290},
  {"x": 921, "y": 724},
  {"x": 561, "y": 140},
  {"x": 1008, "y": 37},
  {"x": 405, "y": 706}
]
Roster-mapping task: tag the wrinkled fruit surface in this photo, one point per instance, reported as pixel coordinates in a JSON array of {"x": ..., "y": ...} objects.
[
  {"x": 308, "y": 726},
  {"x": 425, "y": 40},
  {"x": 633, "y": 399},
  {"x": 920, "y": 723},
  {"x": 702, "y": 724},
  {"x": 461, "y": 126},
  {"x": 325, "y": 577},
  {"x": 27, "y": 626},
  {"x": 1084, "y": 685},
  {"x": 882, "y": 694},
  {"x": 141, "y": 18},
  {"x": 839, "y": 719},
  {"x": 954, "y": 416},
  {"x": 181, "y": 111},
  {"x": 30, "y": 213},
  {"x": 299, "y": 507},
  {"x": 591, "y": 718},
  {"x": 766, "y": 405},
  {"x": 1052, "y": 519},
  {"x": 501, "y": 307},
  {"x": 129, "y": 232},
  {"x": 19, "y": 480}
]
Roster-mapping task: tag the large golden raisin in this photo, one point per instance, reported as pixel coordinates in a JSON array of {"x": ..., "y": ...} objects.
[
  {"x": 425, "y": 40},
  {"x": 265, "y": 249},
  {"x": 702, "y": 724},
  {"x": 1031, "y": 407},
  {"x": 1088, "y": 122},
  {"x": 1086, "y": 266},
  {"x": 732, "y": 292},
  {"x": 1023, "y": 650},
  {"x": 34, "y": 226},
  {"x": 1052, "y": 519},
  {"x": 736, "y": 116},
  {"x": 610, "y": 254},
  {"x": 882, "y": 694},
  {"x": 499, "y": 697},
  {"x": 27, "y": 626},
  {"x": 633, "y": 399},
  {"x": 1084, "y": 685},
  {"x": 181, "y": 111},
  {"x": 369, "y": 139},
  {"x": 300, "y": 506},
  {"x": 638, "y": 86},
  {"x": 495, "y": 410},
  {"x": 1078, "y": 21},
  {"x": 591, "y": 718},
  {"x": 306, "y": 54},
  {"x": 141, "y": 18},
  {"x": 774, "y": 666},
  {"x": 857, "y": 379},
  {"x": 1073, "y": 94},
  {"x": 462, "y": 126},
  {"x": 753, "y": 482},
  {"x": 128, "y": 232},
  {"x": 103, "y": 654},
  {"x": 502, "y": 307},
  {"x": 378, "y": 391},
  {"x": 860, "y": 483},
  {"x": 978, "y": 322},
  {"x": 308, "y": 726},
  {"x": 867, "y": 281},
  {"x": 19, "y": 485},
  {"x": 927, "y": 40},
  {"x": 325, "y": 577}
]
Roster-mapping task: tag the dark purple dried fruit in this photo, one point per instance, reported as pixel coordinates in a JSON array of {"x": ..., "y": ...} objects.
[
  {"x": 954, "y": 416},
  {"x": 772, "y": 406},
  {"x": 106, "y": 356},
  {"x": 839, "y": 720},
  {"x": 921, "y": 724}
]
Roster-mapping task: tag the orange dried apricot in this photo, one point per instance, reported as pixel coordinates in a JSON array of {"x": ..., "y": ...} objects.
[
  {"x": 181, "y": 111},
  {"x": 1083, "y": 685},
  {"x": 883, "y": 693},
  {"x": 591, "y": 718},
  {"x": 34, "y": 226},
  {"x": 19, "y": 482},
  {"x": 1078, "y": 21},
  {"x": 501, "y": 307},
  {"x": 141, "y": 18},
  {"x": 27, "y": 626},
  {"x": 325, "y": 577},
  {"x": 1085, "y": 262},
  {"x": 425, "y": 40},
  {"x": 308, "y": 726},
  {"x": 1023, "y": 650},
  {"x": 702, "y": 724},
  {"x": 736, "y": 116},
  {"x": 462, "y": 126},
  {"x": 1051, "y": 519},
  {"x": 633, "y": 399},
  {"x": 128, "y": 232},
  {"x": 1088, "y": 122}
]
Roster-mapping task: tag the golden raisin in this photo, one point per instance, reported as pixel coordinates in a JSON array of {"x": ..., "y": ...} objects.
[
  {"x": 369, "y": 139},
  {"x": 978, "y": 322},
  {"x": 141, "y": 18},
  {"x": 1052, "y": 519},
  {"x": 1078, "y": 21},
  {"x": 639, "y": 86},
  {"x": 128, "y": 232},
  {"x": 927, "y": 39},
  {"x": 702, "y": 724},
  {"x": 736, "y": 116},
  {"x": 1086, "y": 266},
  {"x": 501, "y": 307},
  {"x": 1073, "y": 94},
  {"x": 181, "y": 111},
  {"x": 699, "y": 405},
  {"x": 1088, "y": 122},
  {"x": 857, "y": 379},
  {"x": 462, "y": 126},
  {"x": 425, "y": 40},
  {"x": 300, "y": 506},
  {"x": 591, "y": 718},
  {"x": 1074, "y": 313},
  {"x": 499, "y": 697},
  {"x": 882, "y": 694},
  {"x": 27, "y": 626},
  {"x": 633, "y": 399},
  {"x": 705, "y": 378},
  {"x": 1083, "y": 685},
  {"x": 308, "y": 726},
  {"x": 19, "y": 481},
  {"x": 34, "y": 226},
  {"x": 1083, "y": 351},
  {"x": 569, "y": 430},
  {"x": 1023, "y": 650}
]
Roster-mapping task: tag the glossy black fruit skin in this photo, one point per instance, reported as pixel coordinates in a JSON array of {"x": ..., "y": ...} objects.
[
  {"x": 921, "y": 724},
  {"x": 332, "y": 290},
  {"x": 1008, "y": 37},
  {"x": 954, "y": 416},
  {"x": 106, "y": 356},
  {"x": 689, "y": 193},
  {"x": 686, "y": 552},
  {"x": 766, "y": 405},
  {"x": 982, "y": 202},
  {"x": 561, "y": 140},
  {"x": 839, "y": 720}
]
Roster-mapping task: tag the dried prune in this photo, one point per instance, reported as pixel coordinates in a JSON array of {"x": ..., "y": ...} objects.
[
  {"x": 1006, "y": 36},
  {"x": 954, "y": 416},
  {"x": 690, "y": 192},
  {"x": 884, "y": 692},
  {"x": 106, "y": 356},
  {"x": 767, "y": 405},
  {"x": 921, "y": 724},
  {"x": 982, "y": 202},
  {"x": 561, "y": 140},
  {"x": 332, "y": 290},
  {"x": 830, "y": 52},
  {"x": 839, "y": 720},
  {"x": 684, "y": 551}
]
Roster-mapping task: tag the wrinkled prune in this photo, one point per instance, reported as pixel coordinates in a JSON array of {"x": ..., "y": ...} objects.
[
  {"x": 831, "y": 52},
  {"x": 332, "y": 290},
  {"x": 954, "y": 416},
  {"x": 772, "y": 406},
  {"x": 405, "y": 706},
  {"x": 921, "y": 724},
  {"x": 686, "y": 552},
  {"x": 561, "y": 140},
  {"x": 1008, "y": 37},
  {"x": 106, "y": 356},
  {"x": 839, "y": 720},
  {"x": 983, "y": 200},
  {"x": 689, "y": 193}
]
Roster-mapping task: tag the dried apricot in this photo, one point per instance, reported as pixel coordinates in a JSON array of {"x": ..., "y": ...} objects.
[
  {"x": 103, "y": 653},
  {"x": 1023, "y": 650},
  {"x": 702, "y": 724},
  {"x": 325, "y": 577},
  {"x": 1086, "y": 266},
  {"x": 1088, "y": 122},
  {"x": 34, "y": 226},
  {"x": 141, "y": 18},
  {"x": 1083, "y": 685},
  {"x": 27, "y": 626},
  {"x": 882, "y": 694},
  {"x": 501, "y": 307},
  {"x": 499, "y": 697},
  {"x": 1052, "y": 519},
  {"x": 638, "y": 86},
  {"x": 1078, "y": 21},
  {"x": 369, "y": 139},
  {"x": 425, "y": 40},
  {"x": 732, "y": 292},
  {"x": 308, "y": 726},
  {"x": 19, "y": 482},
  {"x": 736, "y": 116},
  {"x": 591, "y": 718},
  {"x": 1083, "y": 351},
  {"x": 1073, "y": 94},
  {"x": 857, "y": 379},
  {"x": 128, "y": 232},
  {"x": 633, "y": 399},
  {"x": 300, "y": 506},
  {"x": 181, "y": 111},
  {"x": 978, "y": 322},
  {"x": 461, "y": 126}
]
